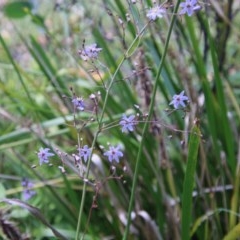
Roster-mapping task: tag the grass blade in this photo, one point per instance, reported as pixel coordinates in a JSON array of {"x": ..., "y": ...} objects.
[
  {"x": 233, "y": 234},
  {"x": 189, "y": 182},
  {"x": 34, "y": 211}
]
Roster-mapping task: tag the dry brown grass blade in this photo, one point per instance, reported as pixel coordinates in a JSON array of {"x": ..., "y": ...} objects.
[{"x": 35, "y": 212}]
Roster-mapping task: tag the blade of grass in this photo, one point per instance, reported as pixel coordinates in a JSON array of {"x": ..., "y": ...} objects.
[
  {"x": 36, "y": 213},
  {"x": 235, "y": 196},
  {"x": 228, "y": 137},
  {"x": 189, "y": 181},
  {"x": 201, "y": 72},
  {"x": 233, "y": 234}
]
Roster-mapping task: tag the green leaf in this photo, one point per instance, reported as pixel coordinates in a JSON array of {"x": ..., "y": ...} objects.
[
  {"x": 233, "y": 234},
  {"x": 200, "y": 220},
  {"x": 17, "y": 9},
  {"x": 39, "y": 20},
  {"x": 189, "y": 182}
]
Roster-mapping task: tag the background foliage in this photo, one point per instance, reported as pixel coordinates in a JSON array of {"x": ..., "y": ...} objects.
[{"x": 185, "y": 188}]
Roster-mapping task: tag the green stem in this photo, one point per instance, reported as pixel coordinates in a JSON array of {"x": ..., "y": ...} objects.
[
  {"x": 147, "y": 121},
  {"x": 188, "y": 183},
  {"x": 129, "y": 51}
]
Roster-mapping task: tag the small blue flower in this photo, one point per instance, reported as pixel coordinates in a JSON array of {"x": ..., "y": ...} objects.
[
  {"x": 156, "y": 12},
  {"x": 84, "y": 152},
  {"x": 27, "y": 192},
  {"x": 127, "y": 123},
  {"x": 78, "y": 103},
  {"x": 189, "y": 7},
  {"x": 43, "y": 155},
  {"x": 89, "y": 52},
  {"x": 178, "y": 100},
  {"x": 113, "y": 153}
]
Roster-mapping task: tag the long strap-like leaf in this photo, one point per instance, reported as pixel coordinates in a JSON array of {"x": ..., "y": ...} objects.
[
  {"x": 34, "y": 211},
  {"x": 189, "y": 181}
]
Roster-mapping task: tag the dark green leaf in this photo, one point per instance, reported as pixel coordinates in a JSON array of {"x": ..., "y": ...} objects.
[{"x": 17, "y": 9}]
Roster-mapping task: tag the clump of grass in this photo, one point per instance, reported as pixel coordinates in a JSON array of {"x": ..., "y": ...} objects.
[{"x": 114, "y": 117}]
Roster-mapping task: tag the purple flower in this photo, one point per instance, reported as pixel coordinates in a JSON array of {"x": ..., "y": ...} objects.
[
  {"x": 113, "y": 153},
  {"x": 89, "y": 52},
  {"x": 78, "y": 103},
  {"x": 178, "y": 100},
  {"x": 43, "y": 155},
  {"x": 189, "y": 7},
  {"x": 84, "y": 152},
  {"x": 127, "y": 123},
  {"x": 156, "y": 12},
  {"x": 27, "y": 192}
]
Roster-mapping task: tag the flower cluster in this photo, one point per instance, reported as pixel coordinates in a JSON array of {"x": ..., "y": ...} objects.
[
  {"x": 27, "y": 192},
  {"x": 127, "y": 123}
]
